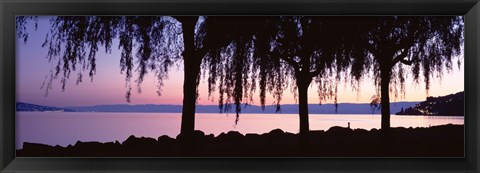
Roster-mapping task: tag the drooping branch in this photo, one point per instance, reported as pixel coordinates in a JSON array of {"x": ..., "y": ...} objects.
[
  {"x": 406, "y": 62},
  {"x": 401, "y": 58},
  {"x": 73, "y": 42}
]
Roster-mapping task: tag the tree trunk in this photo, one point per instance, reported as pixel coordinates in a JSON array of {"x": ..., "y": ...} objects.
[
  {"x": 303, "y": 107},
  {"x": 385, "y": 97},
  {"x": 189, "y": 97},
  {"x": 191, "y": 74},
  {"x": 303, "y": 81}
]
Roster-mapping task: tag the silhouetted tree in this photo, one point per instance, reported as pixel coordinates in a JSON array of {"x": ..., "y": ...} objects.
[
  {"x": 316, "y": 48},
  {"x": 160, "y": 41},
  {"x": 278, "y": 52},
  {"x": 427, "y": 45}
]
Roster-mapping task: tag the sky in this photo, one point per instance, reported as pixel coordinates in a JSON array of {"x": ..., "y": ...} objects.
[{"x": 109, "y": 86}]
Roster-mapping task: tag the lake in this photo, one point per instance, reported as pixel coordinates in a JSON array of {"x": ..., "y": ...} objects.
[{"x": 64, "y": 128}]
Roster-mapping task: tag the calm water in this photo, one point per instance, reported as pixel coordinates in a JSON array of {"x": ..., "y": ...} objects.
[{"x": 65, "y": 128}]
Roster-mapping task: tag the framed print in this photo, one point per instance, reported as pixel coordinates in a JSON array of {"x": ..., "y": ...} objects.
[{"x": 239, "y": 86}]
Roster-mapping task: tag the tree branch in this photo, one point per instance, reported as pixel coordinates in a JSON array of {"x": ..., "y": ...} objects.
[
  {"x": 400, "y": 58},
  {"x": 290, "y": 62},
  {"x": 406, "y": 62}
]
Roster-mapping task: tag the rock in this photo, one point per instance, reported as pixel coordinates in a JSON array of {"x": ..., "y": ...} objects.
[
  {"x": 130, "y": 138},
  {"x": 276, "y": 132},
  {"x": 336, "y": 130},
  {"x": 230, "y": 136},
  {"x": 165, "y": 139},
  {"x": 88, "y": 147},
  {"x": 132, "y": 141},
  {"x": 437, "y": 141},
  {"x": 27, "y": 146}
]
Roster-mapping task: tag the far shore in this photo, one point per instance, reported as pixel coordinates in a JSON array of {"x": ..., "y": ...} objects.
[
  {"x": 435, "y": 141},
  {"x": 248, "y": 113}
]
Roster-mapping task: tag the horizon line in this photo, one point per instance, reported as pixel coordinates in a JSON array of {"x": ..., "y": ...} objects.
[{"x": 200, "y": 104}]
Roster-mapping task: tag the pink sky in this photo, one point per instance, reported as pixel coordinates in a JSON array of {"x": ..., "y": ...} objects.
[{"x": 108, "y": 86}]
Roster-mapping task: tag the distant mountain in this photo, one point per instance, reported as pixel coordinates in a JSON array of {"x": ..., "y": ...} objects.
[
  {"x": 27, "y": 107},
  {"x": 129, "y": 108},
  {"x": 343, "y": 108},
  {"x": 449, "y": 105}
]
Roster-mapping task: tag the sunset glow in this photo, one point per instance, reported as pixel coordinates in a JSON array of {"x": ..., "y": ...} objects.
[{"x": 109, "y": 86}]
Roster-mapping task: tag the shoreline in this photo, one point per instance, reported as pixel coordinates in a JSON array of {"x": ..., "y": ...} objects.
[
  {"x": 247, "y": 113},
  {"x": 434, "y": 141}
]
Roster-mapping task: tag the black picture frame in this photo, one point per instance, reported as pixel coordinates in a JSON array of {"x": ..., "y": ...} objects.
[{"x": 10, "y": 8}]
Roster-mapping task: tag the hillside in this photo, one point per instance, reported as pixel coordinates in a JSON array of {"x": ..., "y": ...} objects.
[
  {"x": 449, "y": 105},
  {"x": 27, "y": 107},
  {"x": 343, "y": 108}
]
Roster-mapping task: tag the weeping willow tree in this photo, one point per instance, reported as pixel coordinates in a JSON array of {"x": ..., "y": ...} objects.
[
  {"x": 403, "y": 45},
  {"x": 151, "y": 43},
  {"x": 318, "y": 49},
  {"x": 272, "y": 54}
]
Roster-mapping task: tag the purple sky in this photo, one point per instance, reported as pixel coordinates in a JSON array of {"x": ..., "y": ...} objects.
[{"x": 108, "y": 86}]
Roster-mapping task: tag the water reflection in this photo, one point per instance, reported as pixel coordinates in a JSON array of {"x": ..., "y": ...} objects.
[{"x": 64, "y": 128}]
